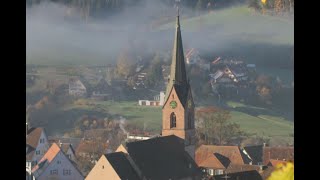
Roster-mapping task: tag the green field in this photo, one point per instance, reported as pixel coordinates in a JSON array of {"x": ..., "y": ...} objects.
[
  {"x": 241, "y": 22},
  {"x": 150, "y": 117}
]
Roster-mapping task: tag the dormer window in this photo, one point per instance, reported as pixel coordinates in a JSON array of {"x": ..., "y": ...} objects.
[{"x": 173, "y": 121}]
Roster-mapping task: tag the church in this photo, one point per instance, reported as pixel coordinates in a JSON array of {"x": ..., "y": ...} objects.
[{"x": 170, "y": 156}]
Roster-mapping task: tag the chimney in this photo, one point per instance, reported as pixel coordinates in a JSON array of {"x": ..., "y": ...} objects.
[
  {"x": 27, "y": 128},
  {"x": 264, "y": 144},
  {"x": 60, "y": 143}
]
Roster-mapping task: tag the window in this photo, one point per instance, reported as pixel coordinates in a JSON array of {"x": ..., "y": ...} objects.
[
  {"x": 41, "y": 140},
  {"x": 59, "y": 162},
  {"x": 66, "y": 172},
  {"x": 210, "y": 171},
  {"x": 54, "y": 172},
  {"x": 38, "y": 152},
  {"x": 173, "y": 122},
  {"x": 218, "y": 171},
  {"x": 69, "y": 156}
]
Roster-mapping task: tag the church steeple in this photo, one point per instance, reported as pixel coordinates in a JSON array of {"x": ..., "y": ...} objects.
[
  {"x": 178, "y": 69},
  {"x": 178, "y": 74},
  {"x": 178, "y": 107}
]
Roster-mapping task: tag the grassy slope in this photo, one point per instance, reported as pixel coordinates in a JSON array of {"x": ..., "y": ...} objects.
[{"x": 241, "y": 22}]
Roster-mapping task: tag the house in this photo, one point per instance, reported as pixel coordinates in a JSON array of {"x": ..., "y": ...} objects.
[
  {"x": 68, "y": 150},
  {"x": 115, "y": 166},
  {"x": 254, "y": 153},
  {"x": 244, "y": 175},
  {"x": 158, "y": 100},
  {"x": 65, "y": 140},
  {"x": 102, "y": 91},
  {"x": 77, "y": 88},
  {"x": 277, "y": 153},
  {"x": 56, "y": 165},
  {"x": 36, "y": 144},
  {"x": 192, "y": 56},
  {"x": 216, "y": 160}
]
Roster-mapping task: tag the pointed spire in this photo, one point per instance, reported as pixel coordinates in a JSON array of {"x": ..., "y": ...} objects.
[
  {"x": 178, "y": 74},
  {"x": 178, "y": 69}
]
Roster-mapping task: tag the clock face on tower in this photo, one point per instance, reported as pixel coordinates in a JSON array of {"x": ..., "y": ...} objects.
[{"x": 173, "y": 104}]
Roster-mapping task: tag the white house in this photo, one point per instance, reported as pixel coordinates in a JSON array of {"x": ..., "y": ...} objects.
[
  {"x": 158, "y": 100},
  {"x": 76, "y": 88},
  {"x": 36, "y": 144},
  {"x": 56, "y": 165}
]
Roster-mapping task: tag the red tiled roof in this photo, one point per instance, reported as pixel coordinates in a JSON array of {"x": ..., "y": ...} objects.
[
  {"x": 212, "y": 162},
  {"x": 33, "y": 136},
  {"x": 49, "y": 156},
  {"x": 207, "y": 151},
  {"x": 279, "y": 153}
]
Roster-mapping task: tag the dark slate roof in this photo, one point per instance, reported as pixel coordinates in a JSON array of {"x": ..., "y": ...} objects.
[
  {"x": 178, "y": 75},
  {"x": 255, "y": 153},
  {"x": 245, "y": 175},
  {"x": 163, "y": 158},
  {"x": 223, "y": 159},
  {"x": 122, "y": 166}
]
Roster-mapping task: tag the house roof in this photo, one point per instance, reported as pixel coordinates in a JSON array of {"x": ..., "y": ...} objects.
[
  {"x": 280, "y": 153},
  {"x": 233, "y": 153},
  {"x": 255, "y": 153},
  {"x": 245, "y": 175},
  {"x": 47, "y": 158},
  {"x": 163, "y": 158},
  {"x": 29, "y": 152},
  {"x": 66, "y": 146},
  {"x": 275, "y": 162},
  {"x": 33, "y": 136},
  {"x": 122, "y": 166},
  {"x": 212, "y": 162}
]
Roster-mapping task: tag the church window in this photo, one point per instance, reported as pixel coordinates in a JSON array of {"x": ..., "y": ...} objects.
[{"x": 173, "y": 121}]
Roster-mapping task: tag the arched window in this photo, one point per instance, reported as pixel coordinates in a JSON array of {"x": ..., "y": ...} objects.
[
  {"x": 189, "y": 120},
  {"x": 173, "y": 121}
]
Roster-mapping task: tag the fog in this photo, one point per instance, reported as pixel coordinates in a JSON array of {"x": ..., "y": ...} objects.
[{"x": 56, "y": 34}]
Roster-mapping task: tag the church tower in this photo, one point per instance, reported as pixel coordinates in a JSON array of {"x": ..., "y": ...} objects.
[{"x": 178, "y": 107}]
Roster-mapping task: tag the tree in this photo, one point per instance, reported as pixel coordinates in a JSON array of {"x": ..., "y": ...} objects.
[
  {"x": 125, "y": 64},
  {"x": 255, "y": 5},
  {"x": 155, "y": 72},
  {"x": 213, "y": 126},
  {"x": 278, "y": 6},
  {"x": 265, "y": 85}
]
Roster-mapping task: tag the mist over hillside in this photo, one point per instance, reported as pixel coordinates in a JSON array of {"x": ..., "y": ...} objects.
[{"x": 56, "y": 34}]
